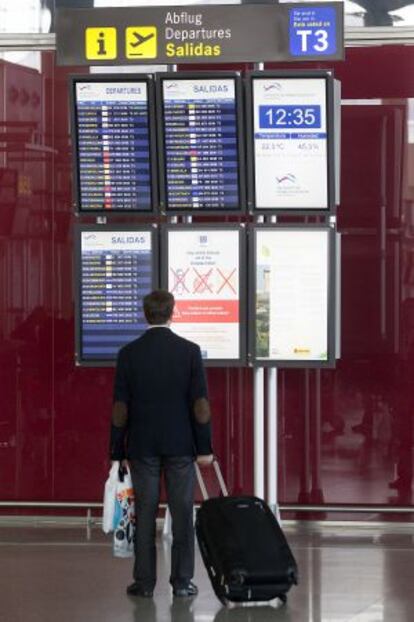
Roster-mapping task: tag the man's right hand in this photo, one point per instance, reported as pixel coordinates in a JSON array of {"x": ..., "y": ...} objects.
[
  {"x": 205, "y": 460},
  {"x": 124, "y": 464}
]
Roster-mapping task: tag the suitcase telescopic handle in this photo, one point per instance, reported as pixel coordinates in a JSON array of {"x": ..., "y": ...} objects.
[{"x": 219, "y": 476}]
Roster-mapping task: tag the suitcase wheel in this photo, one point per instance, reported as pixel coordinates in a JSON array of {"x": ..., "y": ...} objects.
[{"x": 227, "y": 603}]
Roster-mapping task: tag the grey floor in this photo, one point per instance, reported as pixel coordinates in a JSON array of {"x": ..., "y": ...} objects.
[{"x": 54, "y": 574}]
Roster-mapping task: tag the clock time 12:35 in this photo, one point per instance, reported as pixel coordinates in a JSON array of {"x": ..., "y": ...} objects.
[{"x": 285, "y": 117}]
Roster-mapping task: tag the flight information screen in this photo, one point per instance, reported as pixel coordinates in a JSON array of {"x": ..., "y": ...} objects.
[
  {"x": 290, "y": 143},
  {"x": 291, "y": 300},
  {"x": 201, "y": 148},
  {"x": 204, "y": 277},
  {"x": 116, "y": 272},
  {"x": 113, "y": 151}
]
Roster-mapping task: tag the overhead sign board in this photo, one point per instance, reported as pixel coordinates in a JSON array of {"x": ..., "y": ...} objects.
[{"x": 211, "y": 33}]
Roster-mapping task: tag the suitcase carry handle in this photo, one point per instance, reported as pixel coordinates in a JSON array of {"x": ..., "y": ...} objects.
[{"x": 219, "y": 476}]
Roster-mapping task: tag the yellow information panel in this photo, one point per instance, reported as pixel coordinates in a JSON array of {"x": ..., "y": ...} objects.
[{"x": 101, "y": 43}]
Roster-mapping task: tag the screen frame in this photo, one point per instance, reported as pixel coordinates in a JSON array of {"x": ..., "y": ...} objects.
[
  {"x": 330, "y": 143},
  {"x": 76, "y": 185},
  {"x": 77, "y": 267},
  {"x": 240, "y": 118},
  {"x": 242, "y": 231},
  {"x": 332, "y": 302}
]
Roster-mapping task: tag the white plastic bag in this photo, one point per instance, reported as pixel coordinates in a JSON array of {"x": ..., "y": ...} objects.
[
  {"x": 124, "y": 517},
  {"x": 109, "y": 498}
]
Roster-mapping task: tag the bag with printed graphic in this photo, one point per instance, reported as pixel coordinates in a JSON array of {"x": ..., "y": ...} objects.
[
  {"x": 109, "y": 498},
  {"x": 124, "y": 516}
]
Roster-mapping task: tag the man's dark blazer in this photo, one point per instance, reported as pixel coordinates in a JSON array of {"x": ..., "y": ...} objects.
[{"x": 159, "y": 376}]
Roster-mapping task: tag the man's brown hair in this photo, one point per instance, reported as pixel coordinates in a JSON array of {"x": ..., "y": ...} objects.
[{"x": 158, "y": 306}]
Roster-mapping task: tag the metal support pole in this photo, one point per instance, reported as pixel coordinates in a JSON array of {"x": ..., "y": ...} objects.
[
  {"x": 89, "y": 524},
  {"x": 272, "y": 441},
  {"x": 317, "y": 492},
  {"x": 259, "y": 472},
  {"x": 304, "y": 489},
  {"x": 259, "y": 432},
  {"x": 272, "y": 435}
]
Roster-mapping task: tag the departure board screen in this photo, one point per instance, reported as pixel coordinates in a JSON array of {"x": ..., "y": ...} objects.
[
  {"x": 201, "y": 149},
  {"x": 113, "y": 147},
  {"x": 116, "y": 271},
  {"x": 290, "y": 144}
]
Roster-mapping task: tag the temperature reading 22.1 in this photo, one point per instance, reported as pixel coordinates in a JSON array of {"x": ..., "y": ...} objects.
[{"x": 280, "y": 117}]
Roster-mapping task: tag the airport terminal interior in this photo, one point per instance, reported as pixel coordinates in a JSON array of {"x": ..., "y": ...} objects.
[{"x": 296, "y": 285}]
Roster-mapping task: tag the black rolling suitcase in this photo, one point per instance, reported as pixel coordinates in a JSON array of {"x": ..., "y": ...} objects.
[{"x": 243, "y": 547}]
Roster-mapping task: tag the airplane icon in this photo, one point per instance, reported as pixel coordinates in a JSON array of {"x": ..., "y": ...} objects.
[{"x": 140, "y": 39}]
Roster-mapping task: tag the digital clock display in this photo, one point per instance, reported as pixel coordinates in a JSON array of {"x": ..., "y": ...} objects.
[
  {"x": 301, "y": 117},
  {"x": 290, "y": 142}
]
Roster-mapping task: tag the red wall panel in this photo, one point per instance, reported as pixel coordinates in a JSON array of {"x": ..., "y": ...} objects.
[{"x": 344, "y": 434}]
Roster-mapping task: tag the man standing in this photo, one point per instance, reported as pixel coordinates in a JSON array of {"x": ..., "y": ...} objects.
[{"x": 161, "y": 423}]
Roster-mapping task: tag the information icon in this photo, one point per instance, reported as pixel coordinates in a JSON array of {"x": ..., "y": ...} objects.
[{"x": 101, "y": 43}]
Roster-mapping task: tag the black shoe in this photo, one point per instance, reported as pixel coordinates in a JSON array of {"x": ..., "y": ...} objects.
[
  {"x": 183, "y": 592},
  {"x": 136, "y": 590}
]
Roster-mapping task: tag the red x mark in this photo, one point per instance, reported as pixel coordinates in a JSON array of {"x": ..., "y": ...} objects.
[
  {"x": 226, "y": 281},
  {"x": 203, "y": 282},
  {"x": 179, "y": 280}
]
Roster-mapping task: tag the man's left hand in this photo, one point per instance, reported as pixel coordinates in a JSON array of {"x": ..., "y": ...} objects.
[{"x": 205, "y": 460}]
